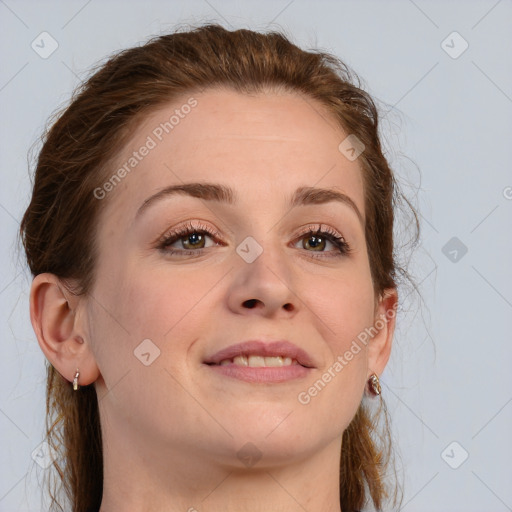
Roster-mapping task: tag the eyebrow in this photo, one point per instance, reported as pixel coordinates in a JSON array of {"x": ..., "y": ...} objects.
[{"x": 303, "y": 196}]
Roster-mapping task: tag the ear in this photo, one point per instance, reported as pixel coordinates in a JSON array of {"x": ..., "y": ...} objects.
[
  {"x": 58, "y": 321},
  {"x": 379, "y": 347}
]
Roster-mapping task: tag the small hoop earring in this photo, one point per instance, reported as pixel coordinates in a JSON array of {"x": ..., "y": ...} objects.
[
  {"x": 374, "y": 384},
  {"x": 75, "y": 380}
]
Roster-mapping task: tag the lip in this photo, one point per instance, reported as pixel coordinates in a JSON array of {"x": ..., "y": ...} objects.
[
  {"x": 263, "y": 348},
  {"x": 262, "y": 374}
]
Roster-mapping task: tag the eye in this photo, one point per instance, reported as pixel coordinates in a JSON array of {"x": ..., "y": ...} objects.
[
  {"x": 316, "y": 239},
  {"x": 192, "y": 238}
]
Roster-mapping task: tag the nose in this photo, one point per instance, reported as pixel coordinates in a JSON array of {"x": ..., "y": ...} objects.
[
  {"x": 264, "y": 287},
  {"x": 258, "y": 303}
]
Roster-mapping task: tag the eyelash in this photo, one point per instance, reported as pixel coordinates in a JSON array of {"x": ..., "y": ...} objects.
[{"x": 169, "y": 238}]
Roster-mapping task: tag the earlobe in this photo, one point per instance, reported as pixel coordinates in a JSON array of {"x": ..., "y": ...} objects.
[
  {"x": 380, "y": 345},
  {"x": 59, "y": 330}
]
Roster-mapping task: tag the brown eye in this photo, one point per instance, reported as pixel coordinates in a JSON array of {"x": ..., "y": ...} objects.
[
  {"x": 315, "y": 240},
  {"x": 195, "y": 240},
  {"x": 318, "y": 242},
  {"x": 188, "y": 240}
]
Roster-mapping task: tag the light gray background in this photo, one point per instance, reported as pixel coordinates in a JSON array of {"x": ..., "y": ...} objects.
[{"x": 450, "y": 375}]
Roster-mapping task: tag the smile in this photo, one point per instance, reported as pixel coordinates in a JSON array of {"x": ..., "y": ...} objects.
[{"x": 257, "y": 361}]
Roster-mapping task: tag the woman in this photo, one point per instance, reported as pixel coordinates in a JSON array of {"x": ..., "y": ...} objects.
[{"x": 211, "y": 240}]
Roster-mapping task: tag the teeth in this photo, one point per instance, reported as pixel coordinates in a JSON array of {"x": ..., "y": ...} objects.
[
  {"x": 274, "y": 361},
  {"x": 241, "y": 361},
  {"x": 260, "y": 361},
  {"x": 255, "y": 361}
]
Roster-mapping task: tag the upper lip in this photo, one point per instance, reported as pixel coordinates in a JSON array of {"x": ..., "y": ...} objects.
[{"x": 263, "y": 348}]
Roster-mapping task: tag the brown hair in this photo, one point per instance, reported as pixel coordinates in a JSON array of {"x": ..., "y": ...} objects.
[{"x": 58, "y": 227}]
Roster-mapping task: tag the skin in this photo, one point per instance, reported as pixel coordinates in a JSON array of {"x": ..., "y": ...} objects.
[{"x": 172, "y": 430}]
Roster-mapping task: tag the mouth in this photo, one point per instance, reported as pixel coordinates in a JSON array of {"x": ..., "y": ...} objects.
[{"x": 259, "y": 361}]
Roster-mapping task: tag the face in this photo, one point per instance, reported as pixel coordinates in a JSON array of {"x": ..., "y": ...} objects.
[{"x": 228, "y": 272}]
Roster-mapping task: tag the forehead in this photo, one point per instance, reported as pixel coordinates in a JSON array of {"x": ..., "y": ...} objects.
[{"x": 271, "y": 142}]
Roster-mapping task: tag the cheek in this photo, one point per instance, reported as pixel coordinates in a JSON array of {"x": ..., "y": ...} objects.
[
  {"x": 344, "y": 308},
  {"x": 142, "y": 331},
  {"x": 169, "y": 310},
  {"x": 149, "y": 302},
  {"x": 344, "y": 317},
  {"x": 336, "y": 391},
  {"x": 160, "y": 304}
]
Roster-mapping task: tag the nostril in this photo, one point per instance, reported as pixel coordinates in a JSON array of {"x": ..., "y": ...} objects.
[{"x": 250, "y": 303}]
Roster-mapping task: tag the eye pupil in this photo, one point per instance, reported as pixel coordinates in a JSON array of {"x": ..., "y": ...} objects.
[
  {"x": 317, "y": 241},
  {"x": 196, "y": 237}
]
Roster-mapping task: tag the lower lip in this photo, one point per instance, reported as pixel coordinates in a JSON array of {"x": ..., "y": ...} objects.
[{"x": 262, "y": 374}]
